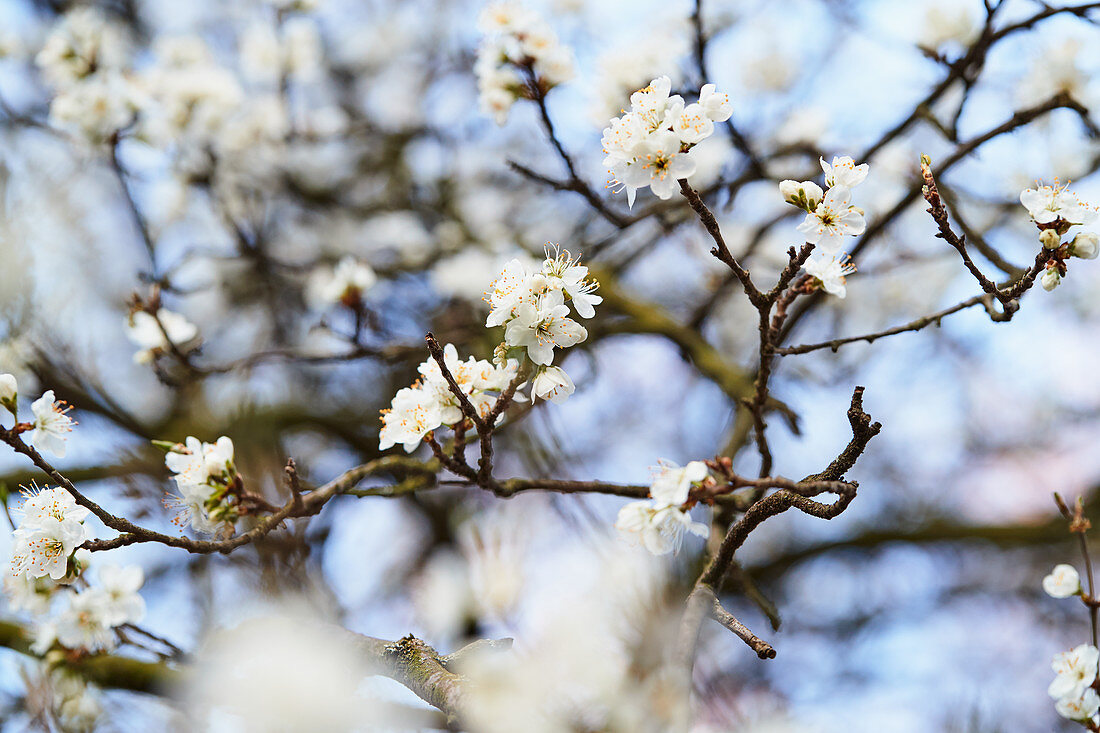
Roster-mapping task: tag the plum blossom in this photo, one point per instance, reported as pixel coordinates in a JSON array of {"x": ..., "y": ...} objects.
[
  {"x": 1062, "y": 582},
  {"x": 829, "y": 272},
  {"x": 553, "y": 384},
  {"x": 52, "y": 424},
  {"x": 534, "y": 308},
  {"x": 541, "y": 327},
  {"x": 651, "y": 144},
  {"x": 1047, "y": 204},
  {"x": 1075, "y": 670},
  {"x": 83, "y": 43},
  {"x": 518, "y": 43},
  {"x": 83, "y": 624},
  {"x": 156, "y": 335},
  {"x": 660, "y": 523},
  {"x": 51, "y": 529},
  {"x": 413, "y": 414},
  {"x": 671, "y": 483},
  {"x": 429, "y": 403},
  {"x": 204, "y": 474},
  {"x": 1081, "y": 708},
  {"x": 832, "y": 220},
  {"x": 565, "y": 273},
  {"x": 119, "y": 600},
  {"x": 345, "y": 284},
  {"x": 843, "y": 171},
  {"x": 659, "y": 530}
]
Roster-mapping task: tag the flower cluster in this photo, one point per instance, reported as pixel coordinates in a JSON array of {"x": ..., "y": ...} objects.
[
  {"x": 830, "y": 217},
  {"x": 49, "y": 533},
  {"x": 88, "y": 618},
  {"x": 660, "y": 523},
  {"x": 533, "y": 307},
  {"x": 208, "y": 484},
  {"x": 1075, "y": 670},
  {"x": 1072, "y": 688},
  {"x": 1055, "y": 212},
  {"x": 429, "y": 403},
  {"x": 520, "y": 57},
  {"x": 83, "y": 58},
  {"x": 651, "y": 145},
  {"x": 158, "y": 334}
]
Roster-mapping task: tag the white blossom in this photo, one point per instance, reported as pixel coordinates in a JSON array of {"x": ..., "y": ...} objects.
[
  {"x": 659, "y": 530},
  {"x": 553, "y": 384},
  {"x": 517, "y": 42},
  {"x": 50, "y": 530},
  {"x": 44, "y": 548},
  {"x": 1062, "y": 582},
  {"x": 83, "y": 42},
  {"x": 96, "y": 107},
  {"x": 203, "y": 474},
  {"x": 832, "y": 220},
  {"x": 51, "y": 424},
  {"x": 1080, "y": 708},
  {"x": 672, "y": 484},
  {"x": 413, "y": 414},
  {"x": 715, "y": 106},
  {"x": 154, "y": 335},
  {"x": 541, "y": 327},
  {"x": 475, "y": 377},
  {"x": 948, "y": 22},
  {"x": 83, "y": 624},
  {"x": 1047, "y": 204},
  {"x": 119, "y": 600},
  {"x": 651, "y": 144},
  {"x": 344, "y": 284},
  {"x": 1075, "y": 670},
  {"x": 565, "y": 273},
  {"x": 75, "y": 701},
  {"x": 829, "y": 272},
  {"x": 24, "y": 593},
  {"x": 843, "y": 171}
]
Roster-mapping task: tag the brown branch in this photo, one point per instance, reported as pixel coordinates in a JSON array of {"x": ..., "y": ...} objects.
[
  {"x": 720, "y": 250},
  {"x": 932, "y": 319},
  {"x": 464, "y": 403},
  {"x": 763, "y": 649}
]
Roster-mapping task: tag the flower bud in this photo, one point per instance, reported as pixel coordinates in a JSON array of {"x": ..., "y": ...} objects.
[
  {"x": 804, "y": 195},
  {"x": 1050, "y": 278},
  {"x": 1050, "y": 239},
  {"x": 8, "y": 392},
  {"x": 1085, "y": 245},
  {"x": 1063, "y": 582}
]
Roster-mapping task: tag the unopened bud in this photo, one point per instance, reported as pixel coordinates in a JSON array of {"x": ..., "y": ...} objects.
[
  {"x": 9, "y": 391},
  {"x": 1085, "y": 245},
  {"x": 805, "y": 194},
  {"x": 1050, "y": 239},
  {"x": 1050, "y": 278}
]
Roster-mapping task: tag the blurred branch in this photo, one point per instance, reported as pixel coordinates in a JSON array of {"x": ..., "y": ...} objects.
[
  {"x": 409, "y": 661},
  {"x": 106, "y": 670}
]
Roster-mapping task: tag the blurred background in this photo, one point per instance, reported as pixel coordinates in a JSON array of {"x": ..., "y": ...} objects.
[{"x": 353, "y": 128}]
